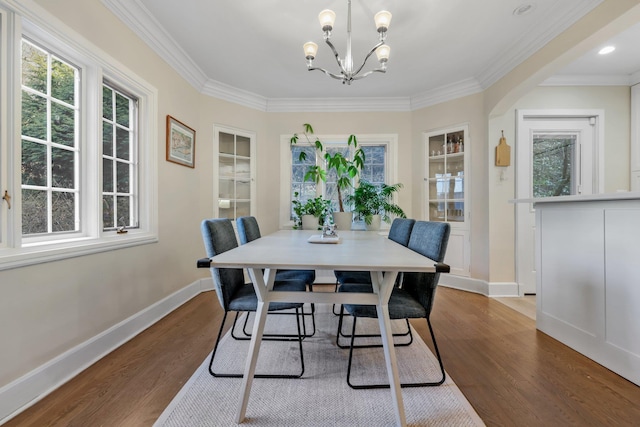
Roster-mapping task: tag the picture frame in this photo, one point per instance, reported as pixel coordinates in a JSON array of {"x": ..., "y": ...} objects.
[{"x": 181, "y": 143}]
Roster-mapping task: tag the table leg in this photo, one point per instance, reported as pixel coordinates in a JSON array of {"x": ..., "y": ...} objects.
[
  {"x": 256, "y": 337},
  {"x": 384, "y": 292}
]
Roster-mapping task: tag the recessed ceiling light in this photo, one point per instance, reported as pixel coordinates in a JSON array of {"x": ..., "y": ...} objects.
[
  {"x": 606, "y": 49},
  {"x": 524, "y": 9}
]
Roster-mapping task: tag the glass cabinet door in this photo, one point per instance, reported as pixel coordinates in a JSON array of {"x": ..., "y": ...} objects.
[
  {"x": 236, "y": 162},
  {"x": 446, "y": 171},
  {"x": 446, "y": 191}
]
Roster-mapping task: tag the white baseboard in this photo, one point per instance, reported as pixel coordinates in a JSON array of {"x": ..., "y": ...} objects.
[
  {"x": 490, "y": 289},
  {"x": 25, "y": 391}
]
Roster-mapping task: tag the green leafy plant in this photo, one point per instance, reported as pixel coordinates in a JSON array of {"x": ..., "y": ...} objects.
[
  {"x": 345, "y": 169},
  {"x": 317, "y": 207},
  {"x": 369, "y": 199}
]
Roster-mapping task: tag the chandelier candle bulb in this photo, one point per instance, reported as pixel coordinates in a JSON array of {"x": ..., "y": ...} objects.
[
  {"x": 382, "y": 19},
  {"x": 310, "y": 50},
  {"x": 327, "y": 18},
  {"x": 383, "y": 53}
]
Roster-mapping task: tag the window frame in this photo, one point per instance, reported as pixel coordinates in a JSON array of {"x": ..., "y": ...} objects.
[
  {"x": 77, "y": 149},
  {"x": 133, "y": 161},
  {"x": 390, "y": 140},
  {"x": 33, "y": 23}
]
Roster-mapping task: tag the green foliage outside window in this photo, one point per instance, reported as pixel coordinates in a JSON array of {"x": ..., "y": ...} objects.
[
  {"x": 553, "y": 165},
  {"x": 49, "y": 152}
]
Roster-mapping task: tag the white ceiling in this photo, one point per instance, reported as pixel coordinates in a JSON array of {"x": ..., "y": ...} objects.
[{"x": 250, "y": 51}]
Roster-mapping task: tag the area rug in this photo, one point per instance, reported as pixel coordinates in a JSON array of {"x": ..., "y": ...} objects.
[{"x": 321, "y": 397}]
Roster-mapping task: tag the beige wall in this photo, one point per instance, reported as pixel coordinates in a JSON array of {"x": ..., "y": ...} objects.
[
  {"x": 605, "y": 21},
  {"x": 48, "y": 309},
  {"x": 468, "y": 110},
  {"x": 613, "y": 100}
]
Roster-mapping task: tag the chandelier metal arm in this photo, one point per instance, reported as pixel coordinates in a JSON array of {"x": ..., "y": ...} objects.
[
  {"x": 366, "y": 58},
  {"x": 337, "y": 56},
  {"x": 335, "y": 76},
  {"x": 377, "y": 70}
]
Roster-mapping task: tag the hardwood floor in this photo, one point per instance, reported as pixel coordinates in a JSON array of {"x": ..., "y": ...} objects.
[
  {"x": 512, "y": 374},
  {"x": 525, "y": 305}
]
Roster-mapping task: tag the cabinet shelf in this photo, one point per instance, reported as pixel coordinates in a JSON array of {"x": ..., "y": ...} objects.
[
  {"x": 231, "y": 156},
  {"x": 448, "y": 155}
]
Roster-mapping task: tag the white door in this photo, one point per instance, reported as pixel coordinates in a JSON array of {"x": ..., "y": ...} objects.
[{"x": 555, "y": 156}]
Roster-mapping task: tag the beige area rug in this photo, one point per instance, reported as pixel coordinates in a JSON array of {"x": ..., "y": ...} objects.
[{"x": 322, "y": 397}]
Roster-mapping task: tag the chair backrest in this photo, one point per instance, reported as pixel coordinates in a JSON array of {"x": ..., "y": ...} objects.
[
  {"x": 400, "y": 230},
  {"x": 248, "y": 229},
  {"x": 429, "y": 239},
  {"x": 218, "y": 236}
]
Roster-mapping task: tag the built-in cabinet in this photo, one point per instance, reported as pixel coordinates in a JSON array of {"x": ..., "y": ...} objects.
[
  {"x": 446, "y": 190},
  {"x": 234, "y": 187}
]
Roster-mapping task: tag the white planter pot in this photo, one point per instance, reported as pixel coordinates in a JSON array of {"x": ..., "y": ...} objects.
[
  {"x": 375, "y": 223},
  {"x": 343, "y": 220},
  {"x": 309, "y": 222}
]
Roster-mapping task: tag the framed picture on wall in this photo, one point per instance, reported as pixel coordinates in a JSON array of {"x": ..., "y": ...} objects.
[{"x": 181, "y": 143}]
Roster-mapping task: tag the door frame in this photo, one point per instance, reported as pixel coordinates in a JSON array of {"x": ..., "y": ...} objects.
[{"x": 598, "y": 161}]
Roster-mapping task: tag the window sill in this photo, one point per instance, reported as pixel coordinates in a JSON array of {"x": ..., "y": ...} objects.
[{"x": 41, "y": 253}]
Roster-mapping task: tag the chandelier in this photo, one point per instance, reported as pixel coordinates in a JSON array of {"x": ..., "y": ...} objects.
[{"x": 347, "y": 71}]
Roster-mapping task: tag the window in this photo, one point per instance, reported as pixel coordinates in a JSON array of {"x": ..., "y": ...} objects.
[
  {"x": 82, "y": 131},
  {"x": 374, "y": 169},
  {"x": 50, "y": 123},
  {"x": 119, "y": 169},
  {"x": 554, "y": 168},
  {"x": 379, "y": 167}
]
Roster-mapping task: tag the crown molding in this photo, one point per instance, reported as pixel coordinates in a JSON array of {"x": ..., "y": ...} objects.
[
  {"x": 289, "y": 105},
  {"x": 446, "y": 93},
  {"x": 139, "y": 20},
  {"x": 522, "y": 48},
  {"x": 229, "y": 93},
  {"x": 590, "y": 80},
  {"x": 136, "y": 16}
]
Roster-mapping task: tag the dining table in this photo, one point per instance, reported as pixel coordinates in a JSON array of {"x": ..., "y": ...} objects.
[{"x": 309, "y": 249}]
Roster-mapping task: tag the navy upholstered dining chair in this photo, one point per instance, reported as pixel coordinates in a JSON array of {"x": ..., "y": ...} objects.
[
  {"x": 400, "y": 232},
  {"x": 414, "y": 299},
  {"x": 236, "y": 295},
  {"x": 248, "y": 231}
]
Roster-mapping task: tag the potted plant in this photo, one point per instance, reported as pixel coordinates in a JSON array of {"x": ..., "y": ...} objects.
[
  {"x": 310, "y": 214},
  {"x": 374, "y": 203},
  {"x": 345, "y": 170}
]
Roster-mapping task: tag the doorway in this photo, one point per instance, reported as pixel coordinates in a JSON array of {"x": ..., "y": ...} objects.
[{"x": 557, "y": 154}]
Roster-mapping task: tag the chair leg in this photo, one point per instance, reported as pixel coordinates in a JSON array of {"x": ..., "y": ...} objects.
[
  {"x": 268, "y": 337},
  {"x": 334, "y": 306},
  {"x": 281, "y": 376},
  {"x": 403, "y": 385},
  {"x": 304, "y": 322},
  {"x": 399, "y": 334}
]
